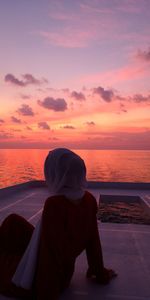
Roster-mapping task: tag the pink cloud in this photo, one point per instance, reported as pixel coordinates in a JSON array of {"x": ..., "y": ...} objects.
[
  {"x": 131, "y": 6},
  {"x": 94, "y": 8},
  {"x": 94, "y": 22},
  {"x": 15, "y": 120},
  {"x": 80, "y": 27},
  {"x": 70, "y": 38},
  {"x": 126, "y": 73},
  {"x": 62, "y": 15}
]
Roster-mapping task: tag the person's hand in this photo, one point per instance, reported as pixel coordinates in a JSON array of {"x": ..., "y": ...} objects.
[{"x": 104, "y": 277}]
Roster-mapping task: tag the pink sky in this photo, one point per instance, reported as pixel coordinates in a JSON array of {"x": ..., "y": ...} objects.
[{"x": 75, "y": 74}]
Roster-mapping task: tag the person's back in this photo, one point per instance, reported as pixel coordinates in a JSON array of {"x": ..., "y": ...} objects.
[{"x": 74, "y": 230}]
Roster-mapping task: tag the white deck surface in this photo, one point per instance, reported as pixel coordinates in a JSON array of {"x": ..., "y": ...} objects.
[{"x": 126, "y": 249}]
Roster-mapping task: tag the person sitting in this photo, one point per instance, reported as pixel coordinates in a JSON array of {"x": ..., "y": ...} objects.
[{"x": 68, "y": 226}]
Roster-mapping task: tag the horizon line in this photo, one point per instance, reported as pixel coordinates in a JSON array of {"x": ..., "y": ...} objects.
[{"x": 45, "y": 148}]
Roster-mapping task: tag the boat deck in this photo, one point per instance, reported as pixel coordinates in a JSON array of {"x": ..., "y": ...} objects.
[{"x": 126, "y": 247}]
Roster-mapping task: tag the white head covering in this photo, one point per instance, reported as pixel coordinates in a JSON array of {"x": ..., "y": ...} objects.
[{"x": 65, "y": 173}]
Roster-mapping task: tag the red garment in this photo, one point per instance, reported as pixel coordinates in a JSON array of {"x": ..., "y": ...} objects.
[
  {"x": 15, "y": 234},
  {"x": 68, "y": 228}
]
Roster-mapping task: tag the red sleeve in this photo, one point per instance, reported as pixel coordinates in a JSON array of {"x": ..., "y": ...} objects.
[
  {"x": 55, "y": 251},
  {"x": 93, "y": 248}
]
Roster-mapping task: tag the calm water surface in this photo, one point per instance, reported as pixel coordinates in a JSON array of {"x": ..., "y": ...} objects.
[{"x": 20, "y": 165}]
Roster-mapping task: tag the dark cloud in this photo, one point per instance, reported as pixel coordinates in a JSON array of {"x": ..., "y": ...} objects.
[
  {"x": 12, "y": 79},
  {"x": 27, "y": 79},
  {"x": 25, "y": 110},
  {"x": 43, "y": 125},
  {"x": 15, "y": 120},
  {"x": 2, "y": 121},
  {"x": 58, "y": 104},
  {"x": 30, "y": 79},
  {"x": 91, "y": 123},
  {"x": 25, "y": 97},
  {"x": 78, "y": 96},
  {"x": 28, "y": 128},
  {"x": 144, "y": 55},
  {"x": 16, "y": 130},
  {"x": 54, "y": 139},
  {"x": 106, "y": 95},
  {"x": 68, "y": 127},
  {"x": 122, "y": 108},
  {"x": 138, "y": 98}
]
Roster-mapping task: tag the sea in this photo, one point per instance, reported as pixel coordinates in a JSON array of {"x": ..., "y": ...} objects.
[{"x": 21, "y": 165}]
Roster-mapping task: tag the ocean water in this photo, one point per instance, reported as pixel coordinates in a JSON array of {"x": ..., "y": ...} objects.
[{"x": 21, "y": 165}]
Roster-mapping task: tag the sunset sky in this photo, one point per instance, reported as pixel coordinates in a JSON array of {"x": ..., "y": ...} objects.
[{"x": 75, "y": 73}]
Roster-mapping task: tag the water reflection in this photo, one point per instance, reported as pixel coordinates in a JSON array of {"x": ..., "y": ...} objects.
[{"x": 20, "y": 165}]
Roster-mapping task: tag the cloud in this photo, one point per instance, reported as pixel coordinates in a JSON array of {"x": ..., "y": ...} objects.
[
  {"x": 130, "y": 6},
  {"x": 27, "y": 80},
  {"x": 116, "y": 76},
  {"x": 5, "y": 135},
  {"x": 138, "y": 98},
  {"x": 30, "y": 79},
  {"x": 25, "y": 97},
  {"x": 122, "y": 108},
  {"x": 65, "y": 90},
  {"x": 144, "y": 55},
  {"x": 58, "y": 104},
  {"x": 16, "y": 130},
  {"x": 15, "y": 120},
  {"x": 12, "y": 79},
  {"x": 25, "y": 110},
  {"x": 91, "y": 123},
  {"x": 69, "y": 37},
  {"x": 68, "y": 127},
  {"x": 78, "y": 96},
  {"x": 28, "y": 128},
  {"x": 96, "y": 21},
  {"x": 2, "y": 121},
  {"x": 54, "y": 139},
  {"x": 106, "y": 95},
  {"x": 78, "y": 26},
  {"x": 120, "y": 140},
  {"x": 43, "y": 125}
]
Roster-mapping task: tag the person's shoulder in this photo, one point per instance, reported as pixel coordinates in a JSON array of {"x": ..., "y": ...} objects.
[
  {"x": 54, "y": 201},
  {"x": 89, "y": 195},
  {"x": 90, "y": 199}
]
